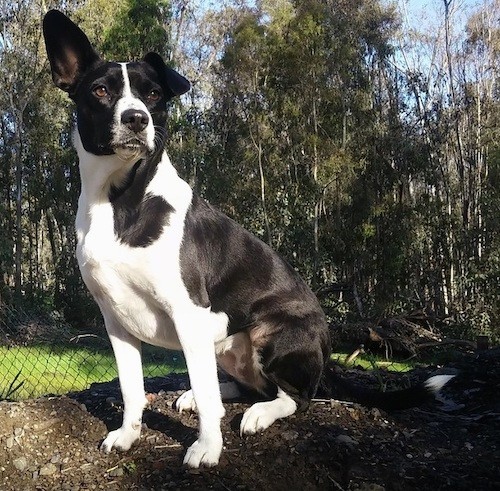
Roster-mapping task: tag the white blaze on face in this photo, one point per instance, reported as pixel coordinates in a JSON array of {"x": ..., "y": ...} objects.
[{"x": 123, "y": 139}]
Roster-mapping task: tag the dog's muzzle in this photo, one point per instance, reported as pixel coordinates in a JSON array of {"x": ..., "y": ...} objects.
[{"x": 131, "y": 141}]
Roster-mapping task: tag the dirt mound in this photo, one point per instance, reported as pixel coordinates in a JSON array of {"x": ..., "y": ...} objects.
[{"x": 53, "y": 443}]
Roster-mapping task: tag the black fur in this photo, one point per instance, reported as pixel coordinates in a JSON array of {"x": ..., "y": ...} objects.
[
  {"x": 94, "y": 117},
  {"x": 338, "y": 386},
  {"x": 228, "y": 269},
  {"x": 69, "y": 50},
  {"x": 216, "y": 254},
  {"x": 139, "y": 217}
]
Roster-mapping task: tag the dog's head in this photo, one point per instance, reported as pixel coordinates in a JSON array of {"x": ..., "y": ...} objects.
[{"x": 121, "y": 107}]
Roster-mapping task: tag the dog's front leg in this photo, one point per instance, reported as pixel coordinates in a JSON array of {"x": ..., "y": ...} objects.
[
  {"x": 197, "y": 342},
  {"x": 127, "y": 349}
]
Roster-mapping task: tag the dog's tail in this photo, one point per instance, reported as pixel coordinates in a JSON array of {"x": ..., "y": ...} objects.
[{"x": 392, "y": 400}]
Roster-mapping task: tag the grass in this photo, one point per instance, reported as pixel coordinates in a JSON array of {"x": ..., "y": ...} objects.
[
  {"x": 370, "y": 362},
  {"x": 41, "y": 370},
  {"x": 28, "y": 372}
]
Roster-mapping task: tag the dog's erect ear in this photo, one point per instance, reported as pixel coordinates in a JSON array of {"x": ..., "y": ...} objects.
[
  {"x": 68, "y": 48},
  {"x": 173, "y": 83}
]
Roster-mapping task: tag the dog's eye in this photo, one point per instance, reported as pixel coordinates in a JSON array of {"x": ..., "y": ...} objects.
[
  {"x": 154, "y": 95},
  {"x": 100, "y": 91}
]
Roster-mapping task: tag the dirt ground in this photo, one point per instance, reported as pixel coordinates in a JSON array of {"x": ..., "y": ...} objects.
[{"x": 53, "y": 442}]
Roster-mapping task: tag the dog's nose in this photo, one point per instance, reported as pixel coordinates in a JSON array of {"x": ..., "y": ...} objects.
[{"x": 135, "y": 119}]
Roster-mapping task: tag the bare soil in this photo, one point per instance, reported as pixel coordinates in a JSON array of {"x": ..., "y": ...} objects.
[{"x": 53, "y": 442}]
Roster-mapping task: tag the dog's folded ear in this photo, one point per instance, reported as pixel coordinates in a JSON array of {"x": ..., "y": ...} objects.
[
  {"x": 68, "y": 48},
  {"x": 173, "y": 83}
]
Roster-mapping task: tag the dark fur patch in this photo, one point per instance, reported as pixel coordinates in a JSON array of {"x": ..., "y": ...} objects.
[
  {"x": 139, "y": 217},
  {"x": 95, "y": 118},
  {"x": 227, "y": 268},
  {"x": 222, "y": 265}
]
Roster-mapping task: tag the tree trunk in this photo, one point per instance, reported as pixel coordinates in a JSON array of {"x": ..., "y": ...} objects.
[{"x": 18, "y": 163}]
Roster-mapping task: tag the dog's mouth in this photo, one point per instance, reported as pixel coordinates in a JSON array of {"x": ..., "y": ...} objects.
[
  {"x": 132, "y": 144},
  {"x": 130, "y": 148}
]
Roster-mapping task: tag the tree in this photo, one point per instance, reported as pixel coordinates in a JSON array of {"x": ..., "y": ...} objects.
[
  {"x": 138, "y": 27},
  {"x": 364, "y": 149},
  {"x": 21, "y": 80}
]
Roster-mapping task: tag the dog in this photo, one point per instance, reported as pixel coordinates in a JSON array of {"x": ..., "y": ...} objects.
[{"x": 166, "y": 268}]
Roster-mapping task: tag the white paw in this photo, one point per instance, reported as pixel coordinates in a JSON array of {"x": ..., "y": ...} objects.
[
  {"x": 121, "y": 439},
  {"x": 203, "y": 453},
  {"x": 256, "y": 418},
  {"x": 186, "y": 402}
]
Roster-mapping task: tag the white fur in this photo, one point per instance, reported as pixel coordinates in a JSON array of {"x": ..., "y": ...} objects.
[
  {"x": 437, "y": 382},
  {"x": 186, "y": 402},
  {"x": 263, "y": 414},
  {"x": 129, "y": 101},
  {"x": 132, "y": 386},
  {"x": 143, "y": 298},
  {"x": 238, "y": 344}
]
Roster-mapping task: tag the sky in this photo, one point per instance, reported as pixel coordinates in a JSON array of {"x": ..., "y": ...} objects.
[{"x": 423, "y": 12}]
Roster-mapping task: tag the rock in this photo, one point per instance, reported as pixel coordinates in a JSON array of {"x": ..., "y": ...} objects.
[
  {"x": 56, "y": 458},
  {"x": 18, "y": 432},
  {"x": 21, "y": 463},
  {"x": 10, "y": 442},
  {"x": 116, "y": 472},
  {"x": 48, "y": 469}
]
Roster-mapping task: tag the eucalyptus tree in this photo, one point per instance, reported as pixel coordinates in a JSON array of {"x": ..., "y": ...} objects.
[
  {"x": 21, "y": 80},
  {"x": 292, "y": 111}
]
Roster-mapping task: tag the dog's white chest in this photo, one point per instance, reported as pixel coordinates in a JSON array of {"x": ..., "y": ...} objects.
[
  {"x": 127, "y": 282},
  {"x": 139, "y": 288}
]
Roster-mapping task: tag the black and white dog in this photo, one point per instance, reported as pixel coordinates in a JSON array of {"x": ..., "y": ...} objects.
[{"x": 168, "y": 269}]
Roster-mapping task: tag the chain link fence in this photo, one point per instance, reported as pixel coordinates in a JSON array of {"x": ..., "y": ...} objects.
[{"x": 42, "y": 355}]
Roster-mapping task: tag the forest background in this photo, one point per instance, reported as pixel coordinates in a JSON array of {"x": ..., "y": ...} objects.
[{"x": 359, "y": 138}]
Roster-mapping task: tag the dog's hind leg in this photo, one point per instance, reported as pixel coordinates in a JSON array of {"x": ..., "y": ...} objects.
[
  {"x": 285, "y": 371},
  {"x": 240, "y": 358},
  {"x": 293, "y": 377},
  {"x": 186, "y": 402}
]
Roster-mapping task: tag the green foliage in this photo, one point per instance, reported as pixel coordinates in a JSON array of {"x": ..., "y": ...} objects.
[
  {"x": 371, "y": 362},
  {"x": 308, "y": 129},
  {"x": 139, "y": 26},
  {"x": 293, "y": 92},
  {"x": 10, "y": 391}
]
